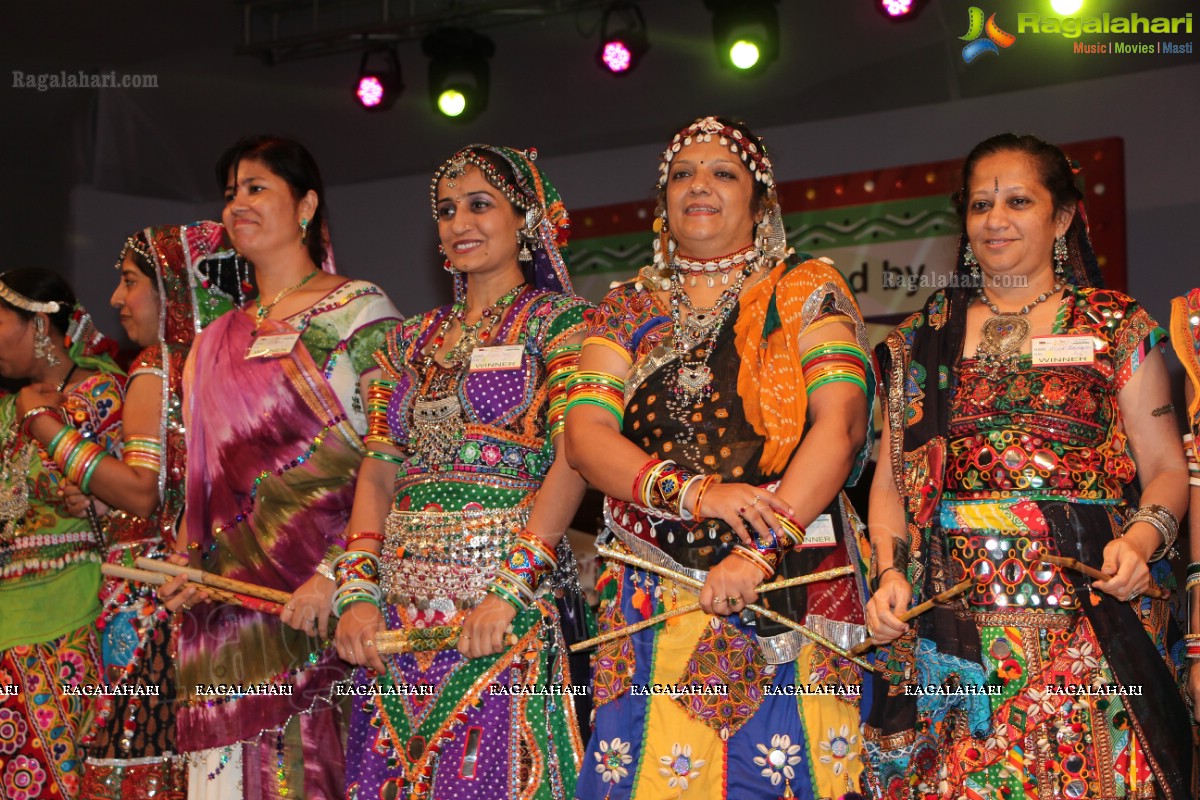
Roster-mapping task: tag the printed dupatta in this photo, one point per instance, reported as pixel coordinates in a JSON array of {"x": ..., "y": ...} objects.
[{"x": 272, "y": 462}]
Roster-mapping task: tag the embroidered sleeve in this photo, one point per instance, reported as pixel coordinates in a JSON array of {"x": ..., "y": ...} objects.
[
  {"x": 623, "y": 321},
  {"x": 377, "y": 317},
  {"x": 1131, "y": 332},
  {"x": 94, "y": 409},
  {"x": 566, "y": 322}
]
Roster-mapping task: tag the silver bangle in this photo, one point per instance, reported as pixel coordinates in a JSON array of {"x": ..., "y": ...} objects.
[{"x": 1163, "y": 520}]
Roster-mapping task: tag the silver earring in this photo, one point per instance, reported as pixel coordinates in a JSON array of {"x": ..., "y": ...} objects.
[
  {"x": 1060, "y": 255},
  {"x": 42, "y": 346},
  {"x": 969, "y": 256}
]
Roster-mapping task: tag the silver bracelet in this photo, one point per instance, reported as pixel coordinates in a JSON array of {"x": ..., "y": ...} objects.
[{"x": 1163, "y": 520}]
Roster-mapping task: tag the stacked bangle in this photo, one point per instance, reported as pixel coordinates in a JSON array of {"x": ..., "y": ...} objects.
[
  {"x": 1191, "y": 645},
  {"x": 701, "y": 482},
  {"x": 517, "y": 579},
  {"x": 763, "y": 561},
  {"x": 1193, "y": 576},
  {"x": 1193, "y": 460},
  {"x": 660, "y": 485},
  {"x": 830, "y": 362},
  {"x": 29, "y": 415},
  {"x": 143, "y": 451},
  {"x": 76, "y": 457},
  {"x": 597, "y": 389},
  {"x": 357, "y": 575},
  {"x": 379, "y": 397},
  {"x": 1161, "y": 518},
  {"x": 559, "y": 368}
]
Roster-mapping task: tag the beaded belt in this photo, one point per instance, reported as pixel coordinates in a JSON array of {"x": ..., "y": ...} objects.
[
  {"x": 42, "y": 552},
  {"x": 444, "y": 560}
]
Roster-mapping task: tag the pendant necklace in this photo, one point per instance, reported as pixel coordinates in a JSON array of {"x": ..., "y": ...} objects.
[
  {"x": 262, "y": 311},
  {"x": 1004, "y": 333}
]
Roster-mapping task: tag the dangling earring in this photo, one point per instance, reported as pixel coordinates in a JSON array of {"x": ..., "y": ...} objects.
[
  {"x": 42, "y": 346},
  {"x": 1060, "y": 256},
  {"x": 969, "y": 256},
  {"x": 446, "y": 265},
  {"x": 523, "y": 255},
  {"x": 303, "y": 229}
]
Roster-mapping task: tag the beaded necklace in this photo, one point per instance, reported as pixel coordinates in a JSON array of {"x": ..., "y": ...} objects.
[
  {"x": 472, "y": 335},
  {"x": 711, "y": 267},
  {"x": 693, "y": 379}
]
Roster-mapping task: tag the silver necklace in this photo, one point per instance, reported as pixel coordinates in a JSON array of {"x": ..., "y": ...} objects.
[{"x": 1004, "y": 333}]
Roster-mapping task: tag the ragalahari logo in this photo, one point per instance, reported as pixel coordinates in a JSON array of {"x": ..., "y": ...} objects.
[{"x": 995, "y": 40}]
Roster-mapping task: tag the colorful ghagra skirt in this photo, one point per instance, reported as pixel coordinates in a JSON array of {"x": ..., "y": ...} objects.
[{"x": 440, "y": 725}]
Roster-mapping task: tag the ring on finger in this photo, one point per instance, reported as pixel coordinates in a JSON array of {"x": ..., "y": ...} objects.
[
  {"x": 719, "y": 600},
  {"x": 369, "y": 643},
  {"x": 757, "y": 499},
  {"x": 735, "y": 601}
]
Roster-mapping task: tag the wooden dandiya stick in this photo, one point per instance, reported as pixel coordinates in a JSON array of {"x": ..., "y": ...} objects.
[
  {"x": 629, "y": 630},
  {"x": 209, "y": 580},
  {"x": 686, "y": 580},
  {"x": 1157, "y": 592},
  {"x": 919, "y": 609},
  {"x": 220, "y": 595},
  {"x": 419, "y": 640}
]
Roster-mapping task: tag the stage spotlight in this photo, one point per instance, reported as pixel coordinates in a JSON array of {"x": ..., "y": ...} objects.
[
  {"x": 746, "y": 33},
  {"x": 379, "y": 82},
  {"x": 1066, "y": 7},
  {"x": 623, "y": 41},
  {"x": 899, "y": 10},
  {"x": 458, "y": 72}
]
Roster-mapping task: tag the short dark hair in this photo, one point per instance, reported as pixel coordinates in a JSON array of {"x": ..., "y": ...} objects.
[
  {"x": 42, "y": 286},
  {"x": 292, "y": 162}
]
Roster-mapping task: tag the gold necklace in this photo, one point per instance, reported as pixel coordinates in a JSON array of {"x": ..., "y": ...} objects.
[
  {"x": 1004, "y": 334},
  {"x": 261, "y": 311}
]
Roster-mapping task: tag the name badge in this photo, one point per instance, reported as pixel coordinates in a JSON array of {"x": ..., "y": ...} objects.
[
  {"x": 272, "y": 345},
  {"x": 819, "y": 532},
  {"x": 489, "y": 359},
  {"x": 1070, "y": 350}
]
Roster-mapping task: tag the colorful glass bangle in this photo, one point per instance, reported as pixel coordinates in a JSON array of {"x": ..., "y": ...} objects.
[
  {"x": 86, "y": 482},
  {"x": 644, "y": 486},
  {"x": 507, "y": 596},
  {"x": 32, "y": 413},
  {"x": 356, "y": 565},
  {"x": 765, "y": 566},
  {"x": 144, "y": 452},
  {"x": 387, "y": 457},
  {"x": 58, "y": 437},
  {"x": 708, "y": 481},
  {"x": 793, "y": 532},
  {"x": 354, "y": 537},
  {"x": 379, "y": 397},
  {"x": 696, "y": 481}
]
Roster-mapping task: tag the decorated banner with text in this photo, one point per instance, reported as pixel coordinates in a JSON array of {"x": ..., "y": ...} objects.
[{"x": 892, "y": 232}]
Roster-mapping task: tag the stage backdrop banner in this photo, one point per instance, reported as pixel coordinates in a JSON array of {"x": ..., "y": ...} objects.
[{"x": 892, "y": 233}]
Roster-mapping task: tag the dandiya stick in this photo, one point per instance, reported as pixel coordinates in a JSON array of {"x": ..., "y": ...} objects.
[
  {"x": 917, "y": 610},
  {"x": 418, "y": 640},
  {"x": 685, "y": 580},
  {"x": 629, "y": 630},
  {"x": 220, "y": 595},
  {"x": 1157, "y": 592},
  {"x": 207, "y": 579}
]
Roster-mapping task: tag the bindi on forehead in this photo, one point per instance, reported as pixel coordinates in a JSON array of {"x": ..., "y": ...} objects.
[{"x": 997, "y": 180}]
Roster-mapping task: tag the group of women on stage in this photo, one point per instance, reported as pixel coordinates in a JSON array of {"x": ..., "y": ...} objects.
[{"x": 406, "y": 485}]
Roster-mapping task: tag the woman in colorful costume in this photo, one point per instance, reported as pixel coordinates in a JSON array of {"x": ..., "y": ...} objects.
[
  {"x": 1185, "y": 337},
  {"x": 173, "y": 280},
  {"x": 1017, "y": 405},
  {"x": 460, "y": 516},
  {"x": 722, "y": 404},
  {"x": 57, "y": 429},
  {"x": 274, "y": 416}
]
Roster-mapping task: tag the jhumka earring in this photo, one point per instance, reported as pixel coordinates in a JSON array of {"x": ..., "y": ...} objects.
[
  {"x": 303, "y": 229},
  {"x": 1060, "y": 255},
  {"x": 42, "y": 346},
  {"x": 969, "y": 256}
]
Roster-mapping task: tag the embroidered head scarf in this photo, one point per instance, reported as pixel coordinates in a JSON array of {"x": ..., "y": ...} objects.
[{"x": 547, "y": 226}]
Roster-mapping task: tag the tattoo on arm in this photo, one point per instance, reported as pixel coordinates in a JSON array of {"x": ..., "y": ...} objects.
[{"x": 1162, "y": 411}]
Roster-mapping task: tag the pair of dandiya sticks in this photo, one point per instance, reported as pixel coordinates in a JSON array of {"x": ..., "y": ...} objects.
[{"x": 445, "y": 637}]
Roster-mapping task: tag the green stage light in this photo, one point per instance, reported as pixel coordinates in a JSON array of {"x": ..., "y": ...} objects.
[{"x": 746, "y": 33}]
